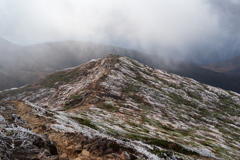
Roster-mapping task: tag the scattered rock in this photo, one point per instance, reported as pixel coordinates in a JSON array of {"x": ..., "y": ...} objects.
[
  {"x": 82, "y": 158},
  {"x": 85, "y": 153},
  {"x": 109, "y": 156},
  {"x": 109, "y": 150},
  {"x": 78, "y": 148},
  {"x": 70, "y": 147},
  {"x": 14, "y": 116},
  {"x": 66, "y": 143},
  {"x": 56, "y": 157},
  {"x": 63, "y": 156},
  {"x": 87, "y": 146},
  {"x": 171, "y": 155},
  {"x": 95, "y": 101},
  {"x": 133, "y": 157},
  {"x": 125, "y": 156}
]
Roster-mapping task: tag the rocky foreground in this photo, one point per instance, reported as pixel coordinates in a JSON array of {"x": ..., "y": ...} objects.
[
  {"x": 118, "y": 108},
  {"x": 28, "y": 137}
]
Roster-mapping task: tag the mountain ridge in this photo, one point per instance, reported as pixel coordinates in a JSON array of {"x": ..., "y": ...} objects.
[
  {"x": 122, "y": 98},
  {"x": 30, "y": 64},
  {"x": 229, "y": 66},
  {"x": 4, "y": 42}
]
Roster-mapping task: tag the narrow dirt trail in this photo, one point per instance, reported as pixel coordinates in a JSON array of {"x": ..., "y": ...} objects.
[
  {"x": 35, "y": 121},
  {"x": 64, "y": 142},
  {"x": 70, "y": 145}
]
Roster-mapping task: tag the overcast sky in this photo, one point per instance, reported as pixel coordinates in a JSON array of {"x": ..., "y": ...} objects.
[{"x": 147, "y": 25}]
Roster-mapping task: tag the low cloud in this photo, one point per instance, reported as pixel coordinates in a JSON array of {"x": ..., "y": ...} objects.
[{"x": 157, "y": 26}]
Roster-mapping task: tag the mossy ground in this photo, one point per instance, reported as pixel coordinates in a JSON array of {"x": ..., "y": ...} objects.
[{"x": 60, "y": 78}]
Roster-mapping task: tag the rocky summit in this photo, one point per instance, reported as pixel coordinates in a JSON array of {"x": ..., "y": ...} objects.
[{"x": 117, "y": 108}]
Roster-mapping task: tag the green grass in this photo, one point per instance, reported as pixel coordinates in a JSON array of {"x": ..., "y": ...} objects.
[
  {"x": 54, "y": 112},
  {"x": 134, "y": 124},
  {"x": 195, "y": 96},
  {"x": 151, "y": 122},
  {"x": 60, "y": 77},
  {"x": 76, "y": 96},
  {"x": 229, "y": 106},
  {"x": 204, "y": 112},
  {"x": 137, "y": 99},
  {"x": 217, "y": 148},
  {"x": 162, "y": 80},
  {"x": 74, "y": 99},
  {"x": 147, "y": 72},
  {"x": 141, "y": 79},
  {"x": 121, "y": 104},
  {"x": 226, "y": 101},
  {"x": 188, "y": 132},
  {"x": 85, "y": 122},
  {"x": 178, "y": 99},
  {"x": 108, "y": 107},
  {"x": 168, "y": 128},
  {"x": 160, "y": 154},
  {"x": 67, "y": 107},
  {"x": 49, "y": 114},
  {"x": 164, "y": 144},
  {"x": 131, "y": 88},
  {"x": 27, "y": 88},
  {"x": 103, "y": 77}
]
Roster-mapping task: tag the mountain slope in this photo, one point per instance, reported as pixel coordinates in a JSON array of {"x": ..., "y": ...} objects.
[
  {"x": 229, "y": 66},
  {"x": 208, "y": 55},
  {"x": 20, "y": 70},
  {"x": 130, "y": 101},
  {"x": 8, "y": 81},
  {"x": 30, "y": 64},
  {"x": 224, "y": 81}
]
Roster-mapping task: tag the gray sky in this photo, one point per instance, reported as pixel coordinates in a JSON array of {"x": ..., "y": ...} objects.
[{"x": 164, "y": 26}]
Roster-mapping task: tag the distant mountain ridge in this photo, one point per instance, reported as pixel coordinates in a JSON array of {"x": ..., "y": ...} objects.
[
  {"x": 204, "y": 56},
  {"x": 229, "y": 66},
  {"x": 30, "y": 64}
]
